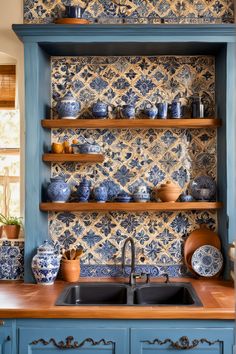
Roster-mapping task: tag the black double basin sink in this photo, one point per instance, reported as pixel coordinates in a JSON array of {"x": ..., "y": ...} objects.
[{"x": 152, "y": 294}]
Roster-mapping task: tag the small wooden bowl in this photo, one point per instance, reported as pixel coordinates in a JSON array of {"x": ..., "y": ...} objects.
[{"x": 71, "y": 21}]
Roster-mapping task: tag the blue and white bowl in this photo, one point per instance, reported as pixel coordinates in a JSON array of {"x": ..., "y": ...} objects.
[
  {"x": 86, "y": 148},
  {"x": 207, "y": 261},
  {"x": 123, "y": 197},
  {"x": 141, "y": 197}
]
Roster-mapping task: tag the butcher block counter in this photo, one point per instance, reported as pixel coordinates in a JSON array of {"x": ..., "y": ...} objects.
[{"x": 19, "y": 300}]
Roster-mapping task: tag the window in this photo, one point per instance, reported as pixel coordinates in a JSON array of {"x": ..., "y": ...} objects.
[{"x": 9, "y": 144}]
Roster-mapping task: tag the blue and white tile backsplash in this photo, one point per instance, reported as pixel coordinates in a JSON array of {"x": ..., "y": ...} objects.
[
  {"x": 11, "y": 259},
  {"x": 134, "y": 11},
  {"x": 133, "y": 157}
]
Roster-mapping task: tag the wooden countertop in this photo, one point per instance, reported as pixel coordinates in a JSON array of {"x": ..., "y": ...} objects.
[{"x": 19, "y": 300}]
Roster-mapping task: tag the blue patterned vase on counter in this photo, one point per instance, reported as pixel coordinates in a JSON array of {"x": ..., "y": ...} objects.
[
  {"x": 162, "y": 110},
  {"x": 83, "y": 191},
  {"x": 176, "y": 109},
  {"x": 45, "y": 264},
  {"x": 100, "y": 194},
  {"x": 68, "y": 107},
  {"x": 100, "y": 109},
  {"x": 58, "y": 190}
]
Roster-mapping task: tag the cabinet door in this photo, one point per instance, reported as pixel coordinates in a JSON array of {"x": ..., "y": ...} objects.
[
  {"x": 73, "y": 340},
  {"x": 186, "y": 340},
  {"x": 5, "y": 339}
]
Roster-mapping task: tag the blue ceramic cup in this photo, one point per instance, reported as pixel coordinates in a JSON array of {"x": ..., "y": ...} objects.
[
  {"x": 73, "y": 12},
  {"x": 162, "y": 110},
  {"x": 176, "y": 110}
]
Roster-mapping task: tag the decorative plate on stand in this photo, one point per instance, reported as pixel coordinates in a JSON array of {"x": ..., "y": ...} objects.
[{"x": 207, "y": 261}]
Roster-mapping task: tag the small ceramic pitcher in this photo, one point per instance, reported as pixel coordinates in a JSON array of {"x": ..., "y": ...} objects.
[
  {"x": 150, "y": 110},
  {"x": 127, "y": 111}
]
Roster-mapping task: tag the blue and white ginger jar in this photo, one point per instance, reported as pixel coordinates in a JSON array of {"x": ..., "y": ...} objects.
[
  {"x": 68, "y": 107},
  {"x": 83, "y": 190},
  {"x": 58, "y": 190},
  {"x": 45, "y": 264}
]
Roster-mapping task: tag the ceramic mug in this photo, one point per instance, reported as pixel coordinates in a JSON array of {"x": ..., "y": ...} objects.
[
  {"x": 73, "y": 12},
  {"x": 162, "y": 110}
]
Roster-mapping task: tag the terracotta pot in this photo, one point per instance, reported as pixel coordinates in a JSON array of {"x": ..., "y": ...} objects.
[
  {"x": 10, "y": 231},
  {"x": 169, "y": 192},
  {"x": 70, "y": 270}
]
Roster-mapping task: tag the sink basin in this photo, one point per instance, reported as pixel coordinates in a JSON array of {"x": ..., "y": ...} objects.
[
  {"x": 94, "y": 294},
  {"x": 159, "y": 294},
  {"x": 174, "y": 294}
]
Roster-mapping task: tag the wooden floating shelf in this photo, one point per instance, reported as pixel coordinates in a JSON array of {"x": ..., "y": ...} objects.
[
  {"x": 131, "y": 123},
  {"x": 83, "y": 158},
  {"x": 129, "y": 207}
]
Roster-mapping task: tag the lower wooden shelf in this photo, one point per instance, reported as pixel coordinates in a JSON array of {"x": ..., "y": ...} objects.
[
  {"x": 83, "y": 158},
  {"x": 130, "y": 207}
]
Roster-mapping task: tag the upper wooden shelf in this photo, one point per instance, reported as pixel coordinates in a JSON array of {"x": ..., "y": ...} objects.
[
  {"x": 131, "y": 123},
  {"x": 132, "y": 206},
  {"x": 83, "y": 158}
]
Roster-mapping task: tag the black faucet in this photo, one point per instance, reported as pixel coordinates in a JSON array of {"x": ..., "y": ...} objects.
[{"x": 133, "y": 275}]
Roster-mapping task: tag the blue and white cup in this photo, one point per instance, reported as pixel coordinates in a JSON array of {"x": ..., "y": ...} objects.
[
  {"x": 73, "y": 11},
  {"x": 176, "y": 109},
  {"x": 162, "y": 110}
]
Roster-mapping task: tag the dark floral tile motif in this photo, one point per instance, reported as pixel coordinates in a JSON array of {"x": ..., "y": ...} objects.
[
  {"x": 11, "y": 260},
  {"x": 137, "y": 11}
]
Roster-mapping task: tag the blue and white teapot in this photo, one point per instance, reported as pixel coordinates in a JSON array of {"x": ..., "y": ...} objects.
[{"x": 46, "y": 263}]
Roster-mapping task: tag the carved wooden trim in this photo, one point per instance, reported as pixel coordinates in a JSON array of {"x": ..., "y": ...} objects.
[
  {"x": 183, "y": 342},
  {"x": 70, "y": 343}
]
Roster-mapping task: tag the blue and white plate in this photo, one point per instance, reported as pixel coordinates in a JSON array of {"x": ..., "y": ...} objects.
[
  {"x": 203, "y": 188},
  {"x": 207, "y": 261}
]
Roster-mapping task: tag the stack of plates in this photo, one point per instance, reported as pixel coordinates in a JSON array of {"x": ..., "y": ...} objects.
[{"x": 200, "y": 260}]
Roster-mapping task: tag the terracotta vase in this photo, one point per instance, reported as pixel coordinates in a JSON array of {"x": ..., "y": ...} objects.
[
  {"x": 70, "y": 270},
  {"x": 10, "y": 231}
]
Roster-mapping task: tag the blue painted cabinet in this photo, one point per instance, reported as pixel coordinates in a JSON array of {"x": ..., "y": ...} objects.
[
  {"x": 6, "y": 337},
  {"x": 174, "y": 340},
  {"x": 73, "y": 340}
]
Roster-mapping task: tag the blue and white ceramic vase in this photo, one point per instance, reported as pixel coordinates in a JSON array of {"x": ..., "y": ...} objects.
[
  {"x": 100, "y": 109},
  {"x": 162, "y": 110},
  {"x": 176, "y": 109},
  {"x": 83, "y": 191},
  {"x": 151, "y": 111},
  {"x": 128, "y": 111},
  {"x": 58, "y": 190},
  {"x": 68, "y": 107},
  {"x": 45, "y": 264},
  {"x": 100, "y": 194}
]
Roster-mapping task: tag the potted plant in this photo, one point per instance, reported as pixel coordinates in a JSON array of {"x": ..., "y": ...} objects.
[
  {"x": 70, "y": 264},
  {"x": 10, "y": 226}
]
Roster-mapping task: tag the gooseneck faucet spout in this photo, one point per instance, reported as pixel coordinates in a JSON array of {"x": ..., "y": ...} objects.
[{"x": 131, "y": 241}]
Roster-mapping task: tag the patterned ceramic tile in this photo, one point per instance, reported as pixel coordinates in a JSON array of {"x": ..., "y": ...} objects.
[
  {"x": 136, "y": 11},
  {"x": 11, "y": 260},
  {"x": 134, "y": 157}
]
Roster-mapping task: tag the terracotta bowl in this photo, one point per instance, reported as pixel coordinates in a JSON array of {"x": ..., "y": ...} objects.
[{"x": 197, "y": 238}]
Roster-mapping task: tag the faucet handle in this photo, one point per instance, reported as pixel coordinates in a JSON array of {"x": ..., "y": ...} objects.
[
  {"x": 167, "y": 278},
  {"x": 147, "y": 275}
]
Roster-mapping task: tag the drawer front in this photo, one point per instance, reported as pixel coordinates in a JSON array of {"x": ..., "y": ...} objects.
[
  {"x": 71, "y": 340},
  {"x": 187, "y": 340}
]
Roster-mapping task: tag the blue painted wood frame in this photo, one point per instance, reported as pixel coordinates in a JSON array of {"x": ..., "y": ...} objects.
[{"x": 37, "y": 78}]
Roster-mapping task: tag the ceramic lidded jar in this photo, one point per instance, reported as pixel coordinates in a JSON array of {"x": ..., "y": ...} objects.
[
  {"x": 100, "y": 109},
  {"x": 68, "y": 107},
  {"x": 83, "y": 190},
  {"x": 45, "y": 264},
  {"x": 58, "y": 190}
]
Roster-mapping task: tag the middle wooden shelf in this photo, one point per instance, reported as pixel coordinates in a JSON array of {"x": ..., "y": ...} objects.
[
  {"x": 83, "y": 158},
  {"x": 129, "y": 207}
]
